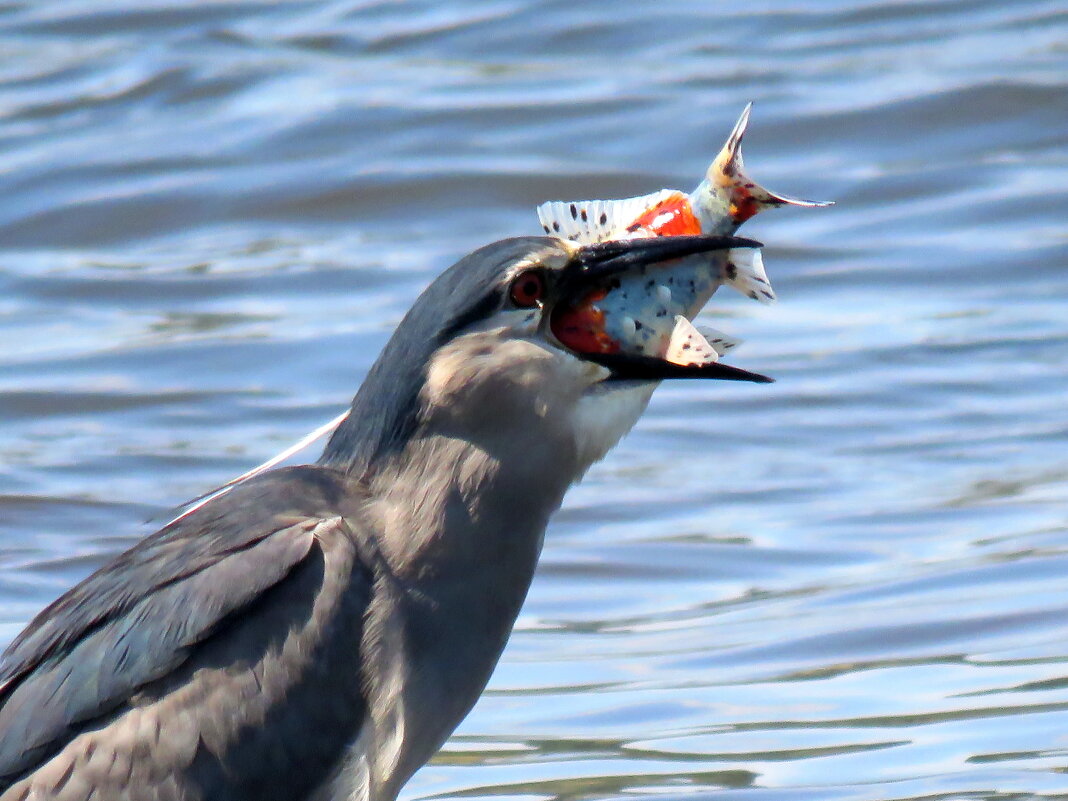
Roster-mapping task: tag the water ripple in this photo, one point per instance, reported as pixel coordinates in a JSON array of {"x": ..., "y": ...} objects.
[{"x": 847, "y": 585}]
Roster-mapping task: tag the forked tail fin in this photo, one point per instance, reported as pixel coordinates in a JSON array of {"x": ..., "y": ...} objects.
[{"x": 743, "y": 197}]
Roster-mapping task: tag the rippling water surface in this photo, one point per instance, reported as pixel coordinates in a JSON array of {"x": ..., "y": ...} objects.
[{"x": 852, "y": 584}]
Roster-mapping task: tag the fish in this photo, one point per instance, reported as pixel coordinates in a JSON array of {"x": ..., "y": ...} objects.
[{"x": 649, "y": 314}]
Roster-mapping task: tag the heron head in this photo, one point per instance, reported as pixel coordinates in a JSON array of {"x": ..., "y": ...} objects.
[{"x": 481, "y": 353}]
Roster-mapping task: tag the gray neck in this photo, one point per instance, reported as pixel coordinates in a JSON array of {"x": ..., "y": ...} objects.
[
  {"x": 466, "y": 510},
  {"x": 461, "y": 529}
]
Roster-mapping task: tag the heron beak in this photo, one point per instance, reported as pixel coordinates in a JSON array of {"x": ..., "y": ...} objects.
[
  {"x": 594, "y": 273},
  {"x": 636, "y": 367},
  {"x": 607, "y": 259}
]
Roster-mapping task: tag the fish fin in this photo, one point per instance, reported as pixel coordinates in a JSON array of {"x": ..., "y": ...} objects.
[
  {"x": 720, "y": 342},
  {"x": 743, "y": 196},
  {"x": 744, "y": 271},
  {"x": 688, "y": 347},
  {"x": 589, "y": 221}
]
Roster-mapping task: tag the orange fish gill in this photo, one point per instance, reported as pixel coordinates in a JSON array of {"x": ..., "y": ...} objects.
[{"x": 649, "y": 312}]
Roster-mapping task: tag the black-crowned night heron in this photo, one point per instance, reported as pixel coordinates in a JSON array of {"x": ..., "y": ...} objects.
[{"x": 318, "y": 631}]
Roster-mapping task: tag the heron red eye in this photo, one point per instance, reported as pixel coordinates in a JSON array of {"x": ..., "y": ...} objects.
[{"x": 528, "y": 289}]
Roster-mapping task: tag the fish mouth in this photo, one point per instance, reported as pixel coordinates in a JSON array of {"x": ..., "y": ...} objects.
[{"x": 642, "y": 346}]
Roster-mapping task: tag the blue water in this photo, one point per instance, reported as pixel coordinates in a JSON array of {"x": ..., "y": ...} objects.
[{"x": 852, "y": 584}]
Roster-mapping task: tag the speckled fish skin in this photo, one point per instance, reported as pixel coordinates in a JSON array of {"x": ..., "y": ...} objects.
[{"x": 637, "y": 313}]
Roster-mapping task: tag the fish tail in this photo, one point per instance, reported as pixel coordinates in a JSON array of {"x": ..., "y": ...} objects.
[{"x": 727, "y": 180}]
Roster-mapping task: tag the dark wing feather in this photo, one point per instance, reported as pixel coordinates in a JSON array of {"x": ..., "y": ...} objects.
[{"x": 136, "y": 620}]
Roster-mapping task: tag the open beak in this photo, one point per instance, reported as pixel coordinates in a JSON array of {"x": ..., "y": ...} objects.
[{"x": 596, "y": 270}]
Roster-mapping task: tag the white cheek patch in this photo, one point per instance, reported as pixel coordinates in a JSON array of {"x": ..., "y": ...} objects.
[{"x": 602, "y": 418}]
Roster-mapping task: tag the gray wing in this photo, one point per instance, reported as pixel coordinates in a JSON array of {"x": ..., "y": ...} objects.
[{"x": 187, "y": 646}]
